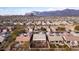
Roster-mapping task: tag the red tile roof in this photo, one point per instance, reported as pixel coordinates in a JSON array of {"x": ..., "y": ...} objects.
[{"x": 22, "y": 38}]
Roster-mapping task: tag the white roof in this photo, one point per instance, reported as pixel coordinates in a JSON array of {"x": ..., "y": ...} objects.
[
  {"x": 39, "y": 37},
  {"x": 55, "y": 38}
]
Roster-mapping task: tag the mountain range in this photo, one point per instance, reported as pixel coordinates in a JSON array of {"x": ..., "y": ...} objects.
[{"x": 65, "y": 12}]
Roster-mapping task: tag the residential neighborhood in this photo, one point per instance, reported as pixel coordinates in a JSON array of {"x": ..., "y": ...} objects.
[{"x": 39, "y": 33}]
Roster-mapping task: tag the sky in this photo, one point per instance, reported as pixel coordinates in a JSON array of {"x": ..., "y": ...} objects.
[
  {"x": 23, "y": 10},
  {"x": 20, "y": 7}
]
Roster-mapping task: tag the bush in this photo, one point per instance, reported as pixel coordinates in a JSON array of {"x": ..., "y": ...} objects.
[
  {"x": 60, "y": 29},
  {"x": 77, "y": 28}
]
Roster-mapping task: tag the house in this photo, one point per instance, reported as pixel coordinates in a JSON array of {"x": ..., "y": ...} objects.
[
  {"x": 39, "y": 41},
  {"x": 71, "y": 40},
  {"x": 53, "y": 28},
  {"x": 22, "y": 38},
  {"x": 55, "y": 39},
  {"x": 39, "y": 36}
]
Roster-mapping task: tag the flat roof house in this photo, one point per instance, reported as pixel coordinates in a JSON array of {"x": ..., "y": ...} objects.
[
  {"x": 55, "y": 41},
  {"x": 39, "y": 37},
  {"x": 55, "y": 38},
  {"x": 39, "y": 41}
]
